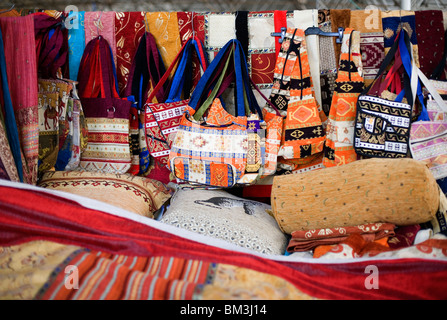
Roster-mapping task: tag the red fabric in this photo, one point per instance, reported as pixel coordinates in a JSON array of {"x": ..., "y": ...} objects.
[
  {"x": 280, "y": 20},
  {"x": 45, "y": 216},
  {"x": 430, "y": 38}
]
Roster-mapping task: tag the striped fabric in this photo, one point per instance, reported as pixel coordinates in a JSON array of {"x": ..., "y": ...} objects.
[{"x": 104, "y": 276}]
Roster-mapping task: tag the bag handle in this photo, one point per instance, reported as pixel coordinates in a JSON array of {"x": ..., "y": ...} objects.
[
  {"x": 183, "y": 73},
  {"x": 214, "y": 93},
  {"x": 432, "y": 90},
  {"x": 95, "y": 69},
  {"x": 387, "y": 61},
  {"x": 166, "y": 75},
  {"x": 205, "y": 82},
  {"x": 147, "y": 66}
]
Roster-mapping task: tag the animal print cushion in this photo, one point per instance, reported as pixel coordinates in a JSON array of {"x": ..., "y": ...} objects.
[{"x": 219, "y": 214}]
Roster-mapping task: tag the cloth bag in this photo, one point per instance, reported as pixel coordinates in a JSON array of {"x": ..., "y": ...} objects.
[
  {"x": 162, "y": 119},
  {"x": 106, "y": 113},
  {"x": 382, "y": 126},
  {"x": 428, "y": 139},
  {"x": 213, "y": 154},
  {"x": 339, "y": 144}
]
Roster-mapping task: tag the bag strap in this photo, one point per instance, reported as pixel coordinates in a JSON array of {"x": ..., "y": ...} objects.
[
  {"x": 182, "y": 79},
  {"x": 387, "y": 61},
  {"x": 96, "y": 77},
  {"x": 199, "y": 112},
  {"x": 432, "y": 90},
  {"x": 166, "y": 75},
  {"x": 147, "y": 67},
  {"x": 205, "y": 81},
  {"x": 439, "y": 70}
]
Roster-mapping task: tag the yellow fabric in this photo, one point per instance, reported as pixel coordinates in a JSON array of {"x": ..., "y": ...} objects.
[
  {"x": 164, "y": 27},
  {"x": 231, "y": 282},
  {"x": 25, "y": 268}
]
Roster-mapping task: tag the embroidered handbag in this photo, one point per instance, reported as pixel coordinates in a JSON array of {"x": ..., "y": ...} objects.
[
  {"x": 208, "y": 154},
  {"x": 107, "y": 114},
  {"x": 292, "y": 93},
  {"x": 382, "y": 127},
  {"x": 162, "y": 119},
  {"x": 339, "y": 144},
  {"x": 428, "y": 139},
  {"x": 257, "y": 129}
]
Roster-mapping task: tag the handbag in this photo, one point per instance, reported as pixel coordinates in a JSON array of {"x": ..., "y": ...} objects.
[
  {"x": 382, "y": 126},
  {"x": 213, "y": 154},
  {"x": 106, "y": 113},
  {"x": 258, "y": 128},
  {"x": 338, "y": 147},
  {"x": 428, "y": 139},
  {"x": 162, "y": 119},
  {"x": 292, "y": 93}
]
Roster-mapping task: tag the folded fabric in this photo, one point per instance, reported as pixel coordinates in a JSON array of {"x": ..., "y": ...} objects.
[
  {"x": 404, "y": 236},
  {"x": 310, "y": 239},
  {"x": 355, "y": 246}
]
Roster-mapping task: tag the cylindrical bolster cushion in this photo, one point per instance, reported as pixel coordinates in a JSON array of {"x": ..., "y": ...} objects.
[{"x": 399, "y": 191}]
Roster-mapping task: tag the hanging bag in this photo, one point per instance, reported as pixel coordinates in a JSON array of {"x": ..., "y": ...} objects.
[
  {"x": 208, "y": 154},
  {"x": 162, "y": 119},
  {"x": 428, "y": 139},
  {"x": 107, "y": 114},
  {"x": 382, "y": 126},
  {"x": 338, "y": 147}
]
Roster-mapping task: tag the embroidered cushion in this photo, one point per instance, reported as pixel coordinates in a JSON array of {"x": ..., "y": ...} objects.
[
  {"x": 133, "y": 193},
  {"x": 219, "y": 214}
]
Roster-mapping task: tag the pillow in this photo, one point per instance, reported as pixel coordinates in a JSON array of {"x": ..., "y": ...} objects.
[
  {"x": 398, "y": 191},
  {"x": 219, "y": 214},
  {"x": 137, "y": 194}
]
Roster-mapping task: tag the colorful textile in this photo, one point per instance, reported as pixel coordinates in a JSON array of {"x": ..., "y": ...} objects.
[
  {"x": 392, "y": 22},
  {"x": 309, "y": 239},
  {"x": 129, "y": 28},
  {"x": 76, "y": 43},
  {"x": 123, "y": 237},
  {"x": 8, "y": 169},
  {"x": 261, "y": 48},
  {"x": 21, "y": 57},
  {"x": 165, "y": 29},
  {"x": 355, "y": 246},
  {"x": 10, "y": 133},
  {"x": 101, "y": 24},
  {"x": 48, "y": 129},
  {"x": 369, "y": 23},
  {"x": 51, "y": 38},
  {"x": 403, "y": 236},
  {"x": 339, "y": 144},
  {"x": 140, "y": 195},
  {"x": 219, "y": 29}
]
